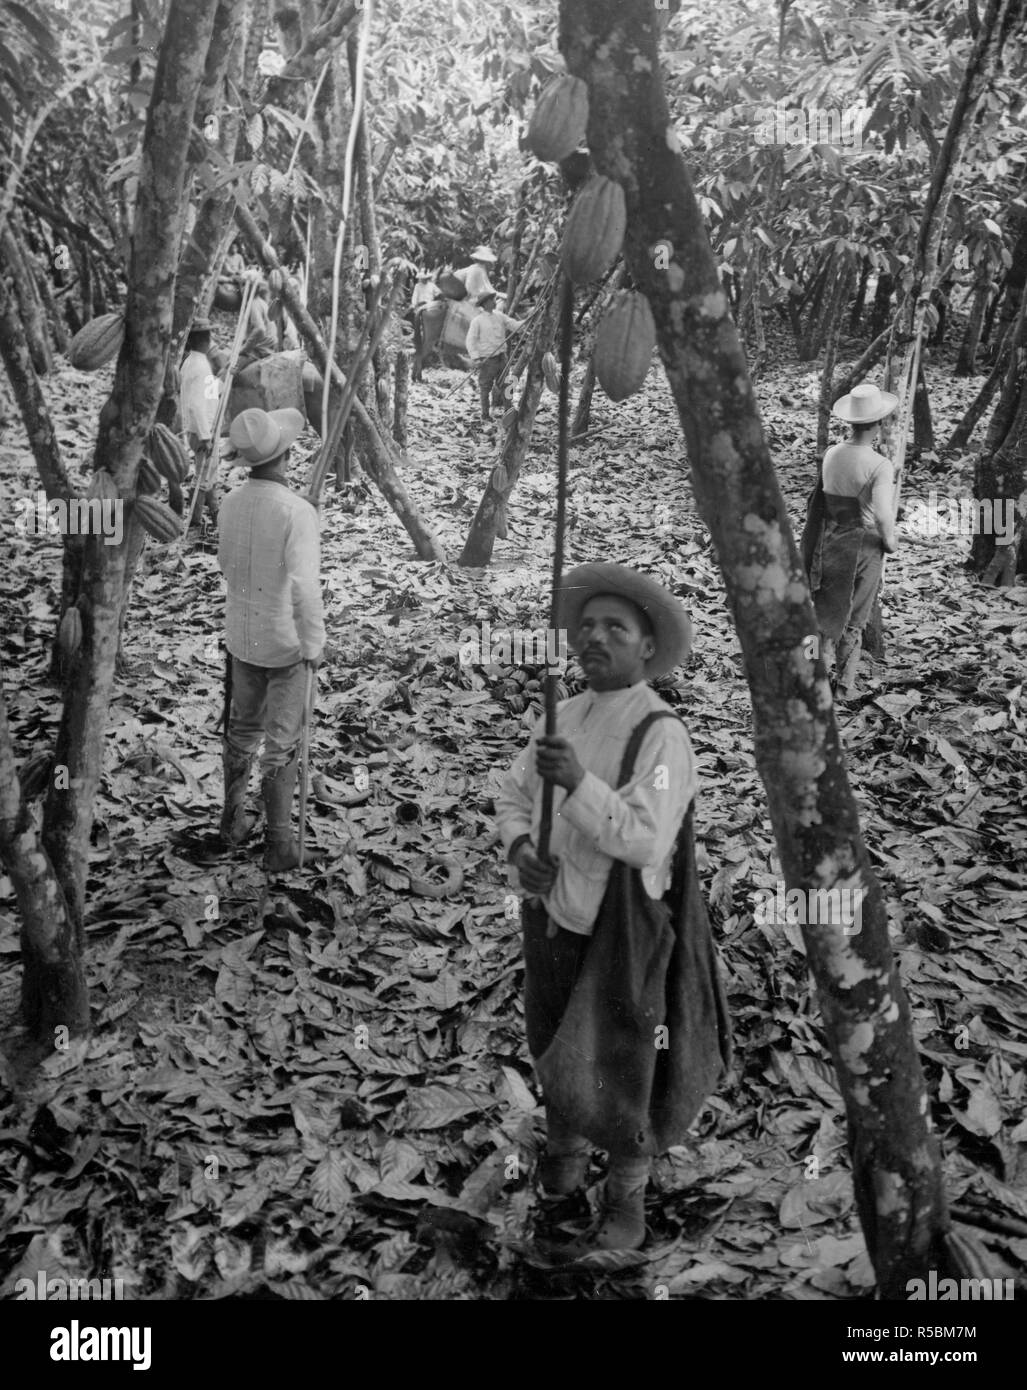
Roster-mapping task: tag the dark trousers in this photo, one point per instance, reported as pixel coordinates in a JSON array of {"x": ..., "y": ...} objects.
[
  {"x": 487, "y": 373},
  {"x": 267, "y": 703}
]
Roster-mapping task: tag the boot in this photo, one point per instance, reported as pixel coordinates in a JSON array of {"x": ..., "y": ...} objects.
[
  {"x": 210, "y": 503},
  {"x": 623, "y": 1218},
  {"x": 236, "y": 823},
  {"x": 281, "y": 851}
]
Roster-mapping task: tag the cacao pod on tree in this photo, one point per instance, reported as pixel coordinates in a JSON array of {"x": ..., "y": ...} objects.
[
  {"x": 147, "y": 478},
  {"x": 559, "y": 120},
  {"x": 97, "y": 342},
  {"x": 168, "y": 453},
  {"x": 276, "y": 281},
  {"x": 594, "y": 232},
  {"x": 500, "y": 478},
  {"x": 102, "y": 486},
  {"x": 69, "y": 634},
  {"x": 624, "y": 345},
  {"x": 157, "y": 518}
]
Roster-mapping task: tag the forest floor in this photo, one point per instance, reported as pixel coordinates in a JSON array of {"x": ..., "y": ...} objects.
[{"x": 323, "y": 1091}]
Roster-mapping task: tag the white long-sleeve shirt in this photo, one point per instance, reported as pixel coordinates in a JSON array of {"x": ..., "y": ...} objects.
[
  {"x": 198, "y": 391},
  {"x": 270, "y": 554},
  {"x": 596, "y": 823},
  {"x": 475, "y": 279},
  {"x": 487, "y": 334}
]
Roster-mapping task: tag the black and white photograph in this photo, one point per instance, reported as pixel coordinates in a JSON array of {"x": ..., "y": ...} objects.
[{"x": 513, "y": 677}]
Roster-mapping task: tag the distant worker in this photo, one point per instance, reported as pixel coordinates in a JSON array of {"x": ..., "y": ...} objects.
[
  {"x": 486, "y": 345},
  {"x": 199, "y": 390},
  {"x": 850, "y": 527},
  {"x": 475, "y": 277}
]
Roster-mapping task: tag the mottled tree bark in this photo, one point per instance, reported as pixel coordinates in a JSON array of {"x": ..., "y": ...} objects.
[
  {"x": 1000, "y": 470},
  {"x": 611, "y": 44},
  {"x": 53, "y": 986},
  {"x": 124, "y": 424}
]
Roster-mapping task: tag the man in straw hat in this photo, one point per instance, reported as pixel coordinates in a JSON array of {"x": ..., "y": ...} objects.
[
  {"x": 850, "y": 525},
  {"x": 486, "y": 346},
  {"x": 624, "y": 1015},
  {"x": 270, "y": 555},
  {"x": 475, "y": 277}
]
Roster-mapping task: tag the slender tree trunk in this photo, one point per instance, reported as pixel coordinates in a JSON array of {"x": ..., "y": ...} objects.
[
  {"x": 402, "y": 395},
  {"x": 923, "y": 425},
  {"x": 520, "y": 222},
  {"x": 897, "y": 1173},
  {"x": 28, "y": 300},
  {"x": 583, "y": 409},
  {"x": 856, "y": 316},
  {"x": 124, "y": 424},
  {"x": 54, "y": 999},
  {"x": 966, "y": 362},
  {"x": 909, "y": 326},
  {"x": 879, "y": 314},
  {"x": 490, "y": 518},
  {"x": 1000, "y": 470},
  {"x": 960, "y": 436}
]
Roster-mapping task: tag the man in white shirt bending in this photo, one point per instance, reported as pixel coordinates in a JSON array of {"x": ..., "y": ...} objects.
[
  {"x": 486, "y": 345},
  {"x": 270, "y": 555}
]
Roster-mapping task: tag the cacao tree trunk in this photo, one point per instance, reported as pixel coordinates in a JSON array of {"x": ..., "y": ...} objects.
[
  {"x": 966, "y": 362},
  {"x": 611, "y": 45},
  {"x": 124, "y": 424},
  {"x": 1000, "y": 470},
  {"x": 54, "y": 998}
]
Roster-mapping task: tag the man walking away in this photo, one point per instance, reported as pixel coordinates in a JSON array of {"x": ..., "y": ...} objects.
[{"x": 270, "y": 555}]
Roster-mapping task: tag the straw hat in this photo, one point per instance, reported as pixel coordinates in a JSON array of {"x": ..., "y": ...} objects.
[
  {"x": 864, "y": 405},
  {"x": 260, "y": 436},
  {"x": 671, "y": 625},
  {"x": 482, "y": 253},
  {"x": 484, "y": 298}
]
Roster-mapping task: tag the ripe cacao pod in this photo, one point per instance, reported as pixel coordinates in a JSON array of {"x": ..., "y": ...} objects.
[
  {"x": 147, "y": 478},
  {"x": 158, "y": 519},
  {"x": 624, "y": 345},
  {"x": 561, "y": 115},
  {"x": 103, "y": 487},
  {"x": 594, "y": 233},
  {"x": 97, "y": 342},
  {"x": 34, "y": 775},
  {"x": 167, "y": 453},
  {"x": 550, "y": 372},
  {"x": 69, "y": 634},
  {"x": 500, "y": 478},
  {"x": 276, "y": 280}
]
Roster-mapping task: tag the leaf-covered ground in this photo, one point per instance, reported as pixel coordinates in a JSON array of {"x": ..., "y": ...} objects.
[{"x": 323, "y": 1091}]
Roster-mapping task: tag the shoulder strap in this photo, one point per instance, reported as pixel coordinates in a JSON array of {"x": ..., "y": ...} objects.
[{"x": 638, "y": 733}]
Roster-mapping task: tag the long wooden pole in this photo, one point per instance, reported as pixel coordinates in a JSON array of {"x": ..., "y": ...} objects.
[{"x": 552, "y": 677}]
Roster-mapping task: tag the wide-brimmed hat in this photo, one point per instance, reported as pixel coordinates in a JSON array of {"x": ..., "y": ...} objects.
[
  {"x": 671, "y": 625},
  {"x": 489, "y": 294},
  {"x": 864, "y": 405},
  {"x": 200, "y": 325},
  {"x": 262, "y": 435},
  {"x": 482, "y": 253}
]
